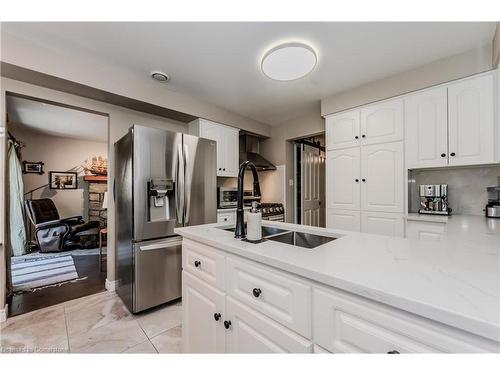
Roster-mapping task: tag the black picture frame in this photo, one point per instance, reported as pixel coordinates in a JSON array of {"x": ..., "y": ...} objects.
[
  {"x": 35, "y": 167},
  {"x": 63, "y": 180}
]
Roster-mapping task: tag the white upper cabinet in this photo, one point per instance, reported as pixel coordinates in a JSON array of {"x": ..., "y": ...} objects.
[
  {"x": 426, "y": 123},
  {"x": 382, "y": 122},
  {"x": 471, "y": 117},
  {"x": 382, "y": 177},
  {"x": 342, "y": 130},
  {"x": 227, "y": 139},
  {"x": 342, "y": 179}
]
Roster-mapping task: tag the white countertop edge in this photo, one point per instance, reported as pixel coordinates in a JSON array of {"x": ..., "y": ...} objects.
[{"x": 450, "y": 318}]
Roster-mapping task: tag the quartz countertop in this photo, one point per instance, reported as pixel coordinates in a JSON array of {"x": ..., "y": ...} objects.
[{"x": 455, "y": 281}]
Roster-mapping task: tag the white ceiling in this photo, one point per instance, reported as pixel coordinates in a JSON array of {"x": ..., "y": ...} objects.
[
  {"x": 220, "y": 62},
  {"x": 56, "y": 120}
]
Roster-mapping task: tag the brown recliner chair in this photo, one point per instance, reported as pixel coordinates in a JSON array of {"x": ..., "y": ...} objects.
[{"x": 53, "y": 233}]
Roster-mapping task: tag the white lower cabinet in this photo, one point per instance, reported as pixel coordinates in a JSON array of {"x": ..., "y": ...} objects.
[
  {"x": 344, "y": 220},
  {"x": 425, "y": 230},
  {"x": 387, "y": 224},
  {"x": 252, "y": 332},
  {"x": 345, "y": 323},
  {"x": 226, "y": 217},
  {"x": 293, "y": 315},
  {"x": 202, "y": 304}
]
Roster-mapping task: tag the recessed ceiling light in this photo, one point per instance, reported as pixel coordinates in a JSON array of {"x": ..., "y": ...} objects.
[
  {"x": 289, "y": 61},
  {"x": 160, "y": 76}
]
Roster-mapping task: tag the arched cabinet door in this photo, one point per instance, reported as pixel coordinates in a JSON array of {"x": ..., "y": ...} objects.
[
  {"x": 343, "y": 180},
  {"x": 382, "y": 122},
  {"x": 382, "y": 177},
  {"x": 426, "y": 129},
  {"x": 470, "y": 121},
  {"x": 342, "y": 130}
]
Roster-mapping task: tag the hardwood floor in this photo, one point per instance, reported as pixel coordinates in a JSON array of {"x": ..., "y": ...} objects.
[{"x": 86, "y": 265}]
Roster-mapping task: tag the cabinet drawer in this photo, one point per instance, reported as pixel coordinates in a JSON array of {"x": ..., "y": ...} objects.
[
  {"x": 344, "y": 323},
  {"x": 387, "y": 224},
  {"x": 276, "y": 294},
  {"x": 252, "y": 332},
  {"x": 204, "y": 262},
  {"x": 226, "y": 217}
]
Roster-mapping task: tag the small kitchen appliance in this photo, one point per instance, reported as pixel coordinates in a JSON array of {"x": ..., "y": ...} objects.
[
  {"x": 492, "y": 208},
  {"x": 227, "y": 197},
  {"x": 434, "y": 200}
]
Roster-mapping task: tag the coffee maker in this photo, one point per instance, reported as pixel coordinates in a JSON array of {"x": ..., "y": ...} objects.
[
  {"x": 492, "y": 208},
  {"x": 434, "y": 200}
]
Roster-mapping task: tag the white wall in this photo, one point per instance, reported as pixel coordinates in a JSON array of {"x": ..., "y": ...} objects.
[
  {"x": 120, "y": 119},
  {"x": 440, "y": 71},
  {"x": 496, "y": 47},
  {"x": 57, "y": 154},
  {"x": 111, "y": 78}
]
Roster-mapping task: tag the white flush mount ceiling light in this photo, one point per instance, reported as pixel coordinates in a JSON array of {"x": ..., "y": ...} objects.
[
  {"x": 289, "y": 61},
  {"x": 160, "y": 76}
]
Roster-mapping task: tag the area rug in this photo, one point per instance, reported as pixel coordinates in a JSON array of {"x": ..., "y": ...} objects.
[{"x": 33, "y": 273}]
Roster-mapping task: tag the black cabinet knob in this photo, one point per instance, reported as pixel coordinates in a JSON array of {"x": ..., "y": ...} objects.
[
  {"x": 363, "y": 136},
  {"x": 357, "y": 180},
  {"x": 363, "y": 179},
  {"x": 223, "y": 169},
  {"x": 227, "y": 324},
  {"x": 393, "y": 352},
  {"x": 220, "y": 169},
  {"x": 197, "y": 263},
  {"x": 256, "y": 292},
  {"x": 356, "y": 137},
  {"x": 217, "y": 316},
  {"x": 452, "y": 154},
  {"x": 443, "y": 155}
]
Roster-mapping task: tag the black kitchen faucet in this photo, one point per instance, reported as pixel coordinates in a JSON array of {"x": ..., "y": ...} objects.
[{"x": 239, "y": 231}]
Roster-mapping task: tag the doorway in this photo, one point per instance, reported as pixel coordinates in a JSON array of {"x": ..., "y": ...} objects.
[
  {"x": 57, "y": 202},
  {"x": 309, "y": 180}
]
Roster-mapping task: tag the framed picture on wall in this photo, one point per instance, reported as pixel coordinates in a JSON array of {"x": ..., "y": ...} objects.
[
  {"x": 33, "y": 167},
  {"x": 63, "y": 180}
]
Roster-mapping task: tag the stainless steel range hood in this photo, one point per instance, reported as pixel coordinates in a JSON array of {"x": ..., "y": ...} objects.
[{"x": 249, "y": 150}]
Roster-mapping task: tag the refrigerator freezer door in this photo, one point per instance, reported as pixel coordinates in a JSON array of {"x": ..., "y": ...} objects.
[
  {"x": 124, "y": 214},
  {"x": 157, "y": 272},
  {"x": 200, "y": 181},
  {"x": 156, "y": 154}
]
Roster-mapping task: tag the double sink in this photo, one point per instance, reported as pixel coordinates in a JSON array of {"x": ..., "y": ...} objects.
[{"x": 301, "y": 239}]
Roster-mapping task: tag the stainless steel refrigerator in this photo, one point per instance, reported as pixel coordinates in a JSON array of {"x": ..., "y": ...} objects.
[{"x": 163, "y": 180}]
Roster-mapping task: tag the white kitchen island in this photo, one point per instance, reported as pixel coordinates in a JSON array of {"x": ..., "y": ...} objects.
[{"x": 357, "y": 293}]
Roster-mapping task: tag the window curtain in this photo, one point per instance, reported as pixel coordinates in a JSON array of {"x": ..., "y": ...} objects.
[{"x": 16, "y": 203}]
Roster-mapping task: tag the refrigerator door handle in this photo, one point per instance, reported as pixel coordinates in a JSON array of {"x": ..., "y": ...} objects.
[
  {"x": 179, "y": 189},
  {"x": 161, "y": 245},
  {"x": 187, "y": 187}
]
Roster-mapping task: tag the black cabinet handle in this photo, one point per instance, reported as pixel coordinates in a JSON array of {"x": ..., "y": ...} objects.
[
  {"x": 393, "y": 352},
  {"x": 443, "y": 155},
  {"x": 357, "y": 180},
  {"x": 223, "y": 169},
  {"x": 197, "y": 263},
  {"x": 363, "y": 179},
  {"x": 227, "y": 324},
  {"x": 363, "y": 136},
  {"x": 217, "y": 316},
  {"x": 220, "y": 169},
  {"x": 356, "y": 137},
  {"x": 256, "y": 292},
  {"x": 452, "y": 154}
]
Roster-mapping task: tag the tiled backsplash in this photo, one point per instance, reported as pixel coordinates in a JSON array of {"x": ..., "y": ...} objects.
[{"x": 466, "y": 187}]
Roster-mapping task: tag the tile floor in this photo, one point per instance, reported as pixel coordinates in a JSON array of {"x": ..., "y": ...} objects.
[{"x": 99, "y": 323}]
